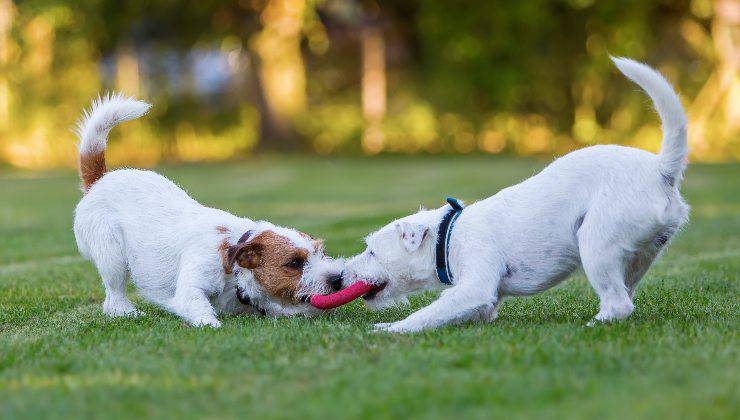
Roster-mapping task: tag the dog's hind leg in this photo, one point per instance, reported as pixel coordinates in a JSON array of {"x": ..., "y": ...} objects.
[
  {"x": 114, "y": 278},
  {"x": 637, "y": 266},
  {"x": 105, "y": 248},
  {"x": 605, "y": 261},
  {"x": 647, "y": 253}
]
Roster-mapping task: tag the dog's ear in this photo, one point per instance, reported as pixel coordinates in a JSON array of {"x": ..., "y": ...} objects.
[
  {"x": 318, "y": 245},
  {"x": 411, "y": 234},
  {"x": 247, "y": 255}
]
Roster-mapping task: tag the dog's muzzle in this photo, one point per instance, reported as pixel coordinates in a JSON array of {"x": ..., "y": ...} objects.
[{"x": 335, "y": 281}]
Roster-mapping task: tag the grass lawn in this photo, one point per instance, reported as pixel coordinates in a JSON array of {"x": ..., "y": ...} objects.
[{"x": 676, "y": 357}]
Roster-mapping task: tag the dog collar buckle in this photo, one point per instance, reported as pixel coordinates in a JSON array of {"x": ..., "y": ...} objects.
[{"x": 444, "y": 232}]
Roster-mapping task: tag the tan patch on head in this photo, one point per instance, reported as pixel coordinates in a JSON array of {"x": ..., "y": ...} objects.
[
  {"x": 272, "y": 259},
  {"x": 223, "y": 251},
  {"x": 318, "y": 244}
]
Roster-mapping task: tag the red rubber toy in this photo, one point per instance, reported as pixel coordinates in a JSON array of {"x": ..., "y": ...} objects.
[{"x": 341, "y": 297}]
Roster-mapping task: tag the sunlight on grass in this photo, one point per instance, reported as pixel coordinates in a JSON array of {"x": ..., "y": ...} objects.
[{"x": 60, "y": 357}]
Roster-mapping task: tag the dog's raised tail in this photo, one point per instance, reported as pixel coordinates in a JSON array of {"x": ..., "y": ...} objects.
[
  {"x": 105, "y": 113},
  {"x": 674, "y": 149}
]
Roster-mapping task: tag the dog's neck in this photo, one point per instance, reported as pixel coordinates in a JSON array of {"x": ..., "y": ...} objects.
[{"x": 427, "y": 252}]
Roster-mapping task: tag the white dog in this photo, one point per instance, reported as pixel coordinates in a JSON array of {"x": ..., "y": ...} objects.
[
  {"x": 608, "y": 209},
  {"x": 192, "y": 260}
]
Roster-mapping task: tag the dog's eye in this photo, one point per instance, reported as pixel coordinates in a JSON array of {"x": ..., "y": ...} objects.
[{"x": 296, "y": 263}]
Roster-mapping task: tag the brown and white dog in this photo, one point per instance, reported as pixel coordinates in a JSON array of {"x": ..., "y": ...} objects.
[{"x": 193, "y": 260}]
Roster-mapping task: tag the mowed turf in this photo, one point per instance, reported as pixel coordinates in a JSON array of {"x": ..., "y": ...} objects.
[{"x": 676, "y": 357}]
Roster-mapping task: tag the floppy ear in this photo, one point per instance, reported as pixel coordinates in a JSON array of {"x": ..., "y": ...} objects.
[
  {"x": 411, "y": 234},
  {"x": 247, "y": 255},
  {"x": 318, "y": 244}
]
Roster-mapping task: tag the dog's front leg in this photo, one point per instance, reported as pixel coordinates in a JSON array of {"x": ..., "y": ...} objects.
[
  {"x": 455, "y": 305},
  {"x": 191, "y": 299},
  {"x": 193, "y": 305},
  {"x": 474, "y": 298}
]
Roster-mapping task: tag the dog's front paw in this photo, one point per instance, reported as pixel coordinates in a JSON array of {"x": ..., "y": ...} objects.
[
  {"x": 381, "y": 327},
  {"x": 207, "y": 322},
  {"x": 122, "y": 311},
  {"x": 399, "y": 327}
]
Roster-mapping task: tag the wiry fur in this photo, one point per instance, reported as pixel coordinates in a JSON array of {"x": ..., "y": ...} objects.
[
  {"x": 94, "y": 126},
  {"x": 137, "y": 224},
  {"x": 675, "y": 149},
  {"x": 608, "y": 209}
]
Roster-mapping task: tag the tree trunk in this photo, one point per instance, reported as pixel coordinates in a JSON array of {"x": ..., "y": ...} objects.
[
  {"x": 276, "y": 133},
  {"x": 6, "y": 22},
  {"x": 373, "y": 87},
  {"x": 127, "y": 70},
  {"x": 710, "y": 129},
  {"x": 278, "y": 74}
]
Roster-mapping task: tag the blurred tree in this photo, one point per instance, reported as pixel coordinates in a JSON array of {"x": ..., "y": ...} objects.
[
  {"x": 715, "y": 112},
  {"x": 7, "y": 10},
  {"x": 362, "y": 24},
  {"x": 227, "y": 77},
  {"x": 278, "y": 72},
  {"x": 373, "y": 78}
]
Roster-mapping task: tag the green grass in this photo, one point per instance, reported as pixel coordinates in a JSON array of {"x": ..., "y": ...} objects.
[{"x": 676, "y": 357}]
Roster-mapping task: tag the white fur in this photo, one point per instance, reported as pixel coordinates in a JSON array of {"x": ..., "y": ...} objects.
[
  {"x": 137, "y": 224},
  {"x": 607, "y": 209},
  {"x": 675, "y": 149},
  {"x": 104, "y": 114}
]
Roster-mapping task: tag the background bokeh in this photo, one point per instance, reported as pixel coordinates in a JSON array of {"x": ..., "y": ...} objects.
[{"x": 232, "y": 78}]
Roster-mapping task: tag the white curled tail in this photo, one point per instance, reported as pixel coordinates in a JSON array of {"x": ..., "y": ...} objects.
[
  {"x": 93, "y": 128},
  {"x": 675, "y": 149}
]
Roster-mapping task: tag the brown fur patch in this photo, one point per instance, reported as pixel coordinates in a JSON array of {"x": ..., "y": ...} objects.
[
  {"x": 271, "y": 273},
  {"x": 318, "y": 244},
  {"x": 267, "y": 256},
  {"x": 223, "y": 251},
  {"x": 92, "y": 168}
]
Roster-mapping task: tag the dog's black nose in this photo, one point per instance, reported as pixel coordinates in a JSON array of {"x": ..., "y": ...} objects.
[{"x": 335, "y": 281}]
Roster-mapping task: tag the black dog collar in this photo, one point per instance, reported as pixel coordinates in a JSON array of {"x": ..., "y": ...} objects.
[{"x": 444, "y": 232}]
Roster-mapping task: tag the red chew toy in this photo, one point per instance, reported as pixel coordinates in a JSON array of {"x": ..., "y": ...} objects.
[{"x": 341, "y": 297}]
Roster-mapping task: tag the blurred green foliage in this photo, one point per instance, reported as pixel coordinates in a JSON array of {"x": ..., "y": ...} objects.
[{"x": 342, "y": 76}]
